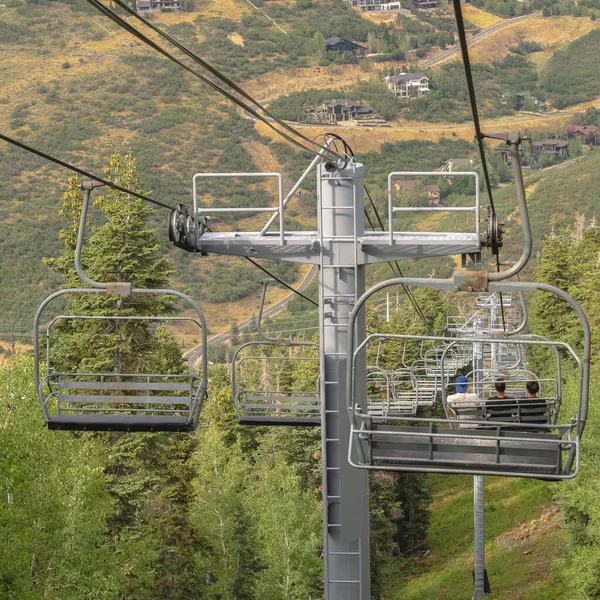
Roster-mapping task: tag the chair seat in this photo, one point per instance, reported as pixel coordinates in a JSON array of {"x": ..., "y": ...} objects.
[{"x": 119, "y": 423}]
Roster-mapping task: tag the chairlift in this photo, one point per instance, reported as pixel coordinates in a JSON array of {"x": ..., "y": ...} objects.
[
  {"x": 115, "y": 400},
  {"x": 399, "y": 391},
  {"x": 393, "y": 393},
  {"x": 515, "y": 444},
  {"x": 260, "y": 396}
]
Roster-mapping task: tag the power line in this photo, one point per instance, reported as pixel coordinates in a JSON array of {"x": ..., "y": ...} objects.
[
  {"x": 279, "y": 281},
  {"x": 214, "y": 71},
  {"x": 146, "y": 40},
  {"x": 71, "y": 167},
  {"x": 479, "y": 135},
  {"x": 462, "y": 37}
]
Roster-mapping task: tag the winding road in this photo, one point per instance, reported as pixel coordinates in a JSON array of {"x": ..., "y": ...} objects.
[
  {"x": 473, "y": 40},
  {"x": 193, "y": 356}
]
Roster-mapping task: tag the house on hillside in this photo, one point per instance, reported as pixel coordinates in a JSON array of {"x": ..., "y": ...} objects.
[
  {"x": 558, "y": 148},
  {"x": 588, "y": 134},
  {"x": 373, "y": 5},
  {"x": 407, "y": 185},
  {"x": 425, "y": 4},
  {"x": 408, "y": 85},
  {"x": 148, "y": 6},
  {"x": 415, "y": 186},
  {"x": 506, "y": 156},
  {"x": 458, "y": 164},
  {"x": 433, "y": 193},
  {"x": 338, "y": 44},
  {"x": 347, "y": 110},
  {"x": 341, "y": 109}
]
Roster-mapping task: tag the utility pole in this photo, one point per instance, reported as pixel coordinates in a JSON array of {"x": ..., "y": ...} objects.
[
  {"x": 387, "y": 307},
  {"x": 478, "y": 481}
]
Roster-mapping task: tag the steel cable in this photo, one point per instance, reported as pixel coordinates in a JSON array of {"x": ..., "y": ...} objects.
[
  {"x": 464, "y": 49},
  {"x": 146, "y": 40}
]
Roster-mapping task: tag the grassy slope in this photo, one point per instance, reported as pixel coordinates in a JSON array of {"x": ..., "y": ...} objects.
[{"x": 523, "y": 537}]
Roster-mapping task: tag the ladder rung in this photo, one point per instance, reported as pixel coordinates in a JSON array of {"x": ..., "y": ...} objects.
[
  {"x": 343, "y": 581},
  {"x": 344, "y": 553},
  {"x": 334, "y": 297},
  {"x": 338, "y": 266}
]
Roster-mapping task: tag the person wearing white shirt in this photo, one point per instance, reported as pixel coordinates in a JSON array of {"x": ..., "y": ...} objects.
[{"x": 463, "y": 399}]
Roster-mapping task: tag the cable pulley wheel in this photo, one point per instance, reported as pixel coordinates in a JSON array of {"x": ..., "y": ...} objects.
[
  {"x": 495, "y": 234},
  {"x": 175, "y": 230},
  {"x": 190, "y": 230}
]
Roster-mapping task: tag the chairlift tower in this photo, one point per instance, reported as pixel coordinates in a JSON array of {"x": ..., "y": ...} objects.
[{"x": 341, "y": 248}]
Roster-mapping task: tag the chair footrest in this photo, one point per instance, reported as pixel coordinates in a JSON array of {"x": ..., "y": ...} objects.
[
  {"x": 281, "y": 421},
  {"x": 119, "y": 423}
]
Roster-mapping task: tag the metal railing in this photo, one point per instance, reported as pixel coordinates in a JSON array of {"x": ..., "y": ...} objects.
[
  {"x": 395, "y": 209},
  {"x": 262, "y": 209}
]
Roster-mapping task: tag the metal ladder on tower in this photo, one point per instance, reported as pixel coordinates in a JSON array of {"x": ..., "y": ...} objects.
[{"x": 343, "y": 566}]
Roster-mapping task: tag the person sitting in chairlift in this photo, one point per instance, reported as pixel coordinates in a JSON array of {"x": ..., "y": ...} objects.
[
  {"x": 533, "y": 388},
  {"x": 536, "y": 410},
  {"x": 463, "y": 405},
  {"x": 501, "y": 407}
]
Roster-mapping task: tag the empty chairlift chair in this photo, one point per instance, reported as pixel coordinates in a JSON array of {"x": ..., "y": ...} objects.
[
  {"x": 523, "y": 442},
  {"x": 114, "y": 399},
  {"x": 276, "y": 382},
  {"x": 391, "y": 391}
]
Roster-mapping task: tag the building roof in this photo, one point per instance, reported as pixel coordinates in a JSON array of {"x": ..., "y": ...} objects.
[
  {"x": 582, "y": 129},
  {"x": 344, "y": 102},
  {"x": 407, "y": 77},
  {"x": 433, "y": 189},
  {"x": 334, "y": 40},
  {"x": 408, "y": 185},
  {"x": 553, "y": 142},
  {"x": 460, "y": 162}
]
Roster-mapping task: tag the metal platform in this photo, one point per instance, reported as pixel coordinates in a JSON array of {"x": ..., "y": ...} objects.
[{"x": 374, "y": 247}]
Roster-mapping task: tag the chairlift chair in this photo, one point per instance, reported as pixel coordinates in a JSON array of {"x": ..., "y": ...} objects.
[
  {"x": 271, "y": 404},
  {"x": 517, "y": 446},
  {"x": 115, "y": 400}
]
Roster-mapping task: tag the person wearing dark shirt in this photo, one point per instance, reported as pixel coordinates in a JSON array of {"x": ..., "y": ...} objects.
[
  {"x": 533, "y": 410},
  {"x": 500, "y": 407}
]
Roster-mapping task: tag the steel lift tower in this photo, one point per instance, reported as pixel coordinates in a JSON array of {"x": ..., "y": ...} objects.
[{"x": 341, "y": 248}]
